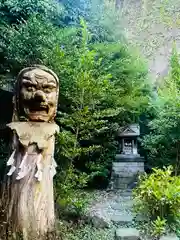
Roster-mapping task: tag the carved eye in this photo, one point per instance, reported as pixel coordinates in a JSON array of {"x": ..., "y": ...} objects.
[{"x": 47, "y": 90}]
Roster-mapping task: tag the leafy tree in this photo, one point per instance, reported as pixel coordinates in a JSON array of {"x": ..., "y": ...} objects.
[
  {"x": 163, "y": 142},
  {"x": 103, "y": 86},
  {"x": 101, "y": 16},
  {"x": 21, "y": 21},
  {"x": 96, "y": 98},
  {"x": 21, "y": 47},
  {"x": 15, "y": 11}
]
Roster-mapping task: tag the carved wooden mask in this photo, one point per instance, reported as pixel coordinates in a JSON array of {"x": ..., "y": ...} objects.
[{"x": 36, "y": 96}]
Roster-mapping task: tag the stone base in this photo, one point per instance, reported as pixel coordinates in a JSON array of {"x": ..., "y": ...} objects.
[
  {"x": 125, "y": 171},
  {"x": 127, "y": 234},
  {"x": 128, "y": 158}
]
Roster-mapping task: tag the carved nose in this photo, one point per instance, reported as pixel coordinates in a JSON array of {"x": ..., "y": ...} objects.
[{"x": 39, "y": 96}]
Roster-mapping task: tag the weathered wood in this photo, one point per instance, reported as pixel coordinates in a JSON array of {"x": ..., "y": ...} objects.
[
  {"x": 31, "y": 206},
  {"x": 32, "y": 165}
]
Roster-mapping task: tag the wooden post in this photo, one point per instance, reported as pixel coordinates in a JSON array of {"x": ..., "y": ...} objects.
[{"x": 32, "y": 165}]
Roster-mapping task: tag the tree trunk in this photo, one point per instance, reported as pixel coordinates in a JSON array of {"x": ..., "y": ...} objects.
[{"x": 31, "y": 208}]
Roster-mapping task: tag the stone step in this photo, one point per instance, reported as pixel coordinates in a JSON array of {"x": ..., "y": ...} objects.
[
  {"x": 133, "y": 234},
  {"x": 127, "y": 234},
  {"x": 122, "y": 205},
  {"x": 127, "y": 193},
  {"x": 169, "y": 237},
  {"x": 122, "y": 219}
]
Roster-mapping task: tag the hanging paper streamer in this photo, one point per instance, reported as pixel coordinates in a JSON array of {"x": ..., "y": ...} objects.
[
  {"x": 23, "y": 168},
  {"x": 53, "y": 167},
  {"x": 38, "y": 174},
  {"x": 12, "y": 169},
  {"x": 11, "y": 160}
]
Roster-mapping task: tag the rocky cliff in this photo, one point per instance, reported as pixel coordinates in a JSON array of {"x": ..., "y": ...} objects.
[{"x": 152, "y": 26}]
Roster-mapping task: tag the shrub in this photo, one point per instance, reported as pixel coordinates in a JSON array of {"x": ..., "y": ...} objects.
[
  {"x": 87, "y": 232},
  {"x": 157, "y": 197},
  {"x": 13, "y": 11},
  {"x": 68, "y": 196}
]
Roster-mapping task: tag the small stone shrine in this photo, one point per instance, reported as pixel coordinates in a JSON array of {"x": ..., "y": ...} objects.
[{"x": 128, "y": 163}]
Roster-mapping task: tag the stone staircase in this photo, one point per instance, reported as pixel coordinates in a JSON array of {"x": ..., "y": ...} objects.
[
  {"x": 133, "y": 234},
  {"x": 125, "y": 221},
  {"x": 116, "y": 209}
]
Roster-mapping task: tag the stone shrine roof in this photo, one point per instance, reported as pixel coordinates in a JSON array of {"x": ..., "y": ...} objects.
[{"x": 130, "y": 131}]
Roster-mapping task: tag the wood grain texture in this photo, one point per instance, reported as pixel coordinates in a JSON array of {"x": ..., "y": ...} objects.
[{"x": 31, "y": 207}]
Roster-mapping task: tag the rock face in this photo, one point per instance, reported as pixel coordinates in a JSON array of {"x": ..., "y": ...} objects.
[
  {"x": 152, "y": 26},
  {"x": 127, "y": 234}
]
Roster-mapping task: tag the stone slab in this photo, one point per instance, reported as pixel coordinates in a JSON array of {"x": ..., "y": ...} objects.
[
  {"x": 126, "y": 174},
  {"x": 128, "y": 204},
  {"x": 126, "y": 164},
  {"x": 119, "y": 185},
  {"x": 124, "y": 177},
  {"x": 169, "y": 237},
  {"x": 122, "y": 219},
  {"x": 126, "y": 193},
  {"x": 128, "y": 158},
  {"x": 127, "y": 234},
  {"x": 130, "y": 168},
  {"x": 123, "y": 180},
  {"x": 124, "y": 183}
]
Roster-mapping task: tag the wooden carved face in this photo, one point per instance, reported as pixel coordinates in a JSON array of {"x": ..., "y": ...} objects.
[{"x": 38, "y": 95}]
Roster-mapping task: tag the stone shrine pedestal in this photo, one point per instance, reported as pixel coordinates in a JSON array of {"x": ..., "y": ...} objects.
[
  {"x": 125, "y": 171},
  {"x": 128, "y": 163}
]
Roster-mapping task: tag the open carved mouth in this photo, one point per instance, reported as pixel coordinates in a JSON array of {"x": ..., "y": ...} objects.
[{"x": 42, "y": 109}]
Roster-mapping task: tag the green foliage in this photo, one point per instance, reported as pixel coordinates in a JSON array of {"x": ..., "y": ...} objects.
[
  {"x": 84, "y": 122},
  {"x": 101, "y": 16},
  {"x": 129, "y": 75},
  {"x": 163, "y": 142},
  {"x": 87, "y": 232},
  {"x": 159, "y": 227},
  {"x": 14, "y": 11},
  {"x": 22, "y": 47},
  {"x": 99, "y": 89},
  {"x": 157, "y": 198},
  {"x": 95, "y": 99},
  {"x": 102, "y": 84},
  {"x": 67, "y": 196}
]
